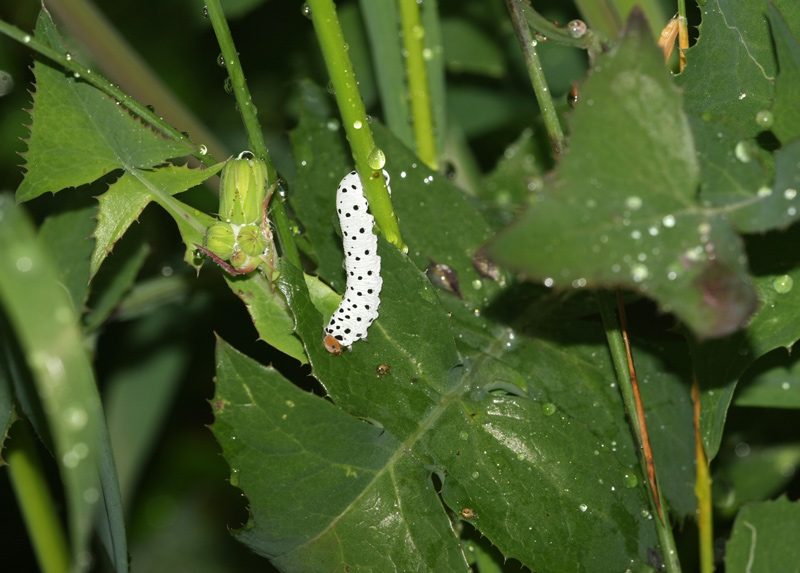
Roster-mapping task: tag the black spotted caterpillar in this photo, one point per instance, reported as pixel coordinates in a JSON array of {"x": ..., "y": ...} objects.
[{"x": 359, "y": 307}]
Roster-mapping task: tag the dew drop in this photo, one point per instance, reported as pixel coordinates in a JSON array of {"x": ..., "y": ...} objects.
[
  {"x": 630, "y": 480},
  {"x": 205, "y": 11},
  {"x": 633, "y": 203},
  {"x": 357, "y": 124},
  {"x": 790, "y": 194},
  {"x": 764, "y": 192},
  {"x": 228, "y": 85},
  {"x": 668, "y": 221},
  {"x": 24, "y": 264},
  {"x": 463, "y": 435},
  {"x": 765, "y": 119},
  {"x": 742, "y": 152},
  {"x": 203, "y": 150},
  {"x": 576, "y": 28},
  {"x": 548, "y": 409},
  {"x": 305, "y": 9},
  {"x": 639, "y": 273},
  {"x": 376, "y": 158},
  {"x": 331, "y": 89},
  {"x": 68, "y": 56},
  {"x": 26, "y": 38},
  {"x": 221, "y": 60},
  {"x": 583, "y": 507},
  {"x": 783, "y": 284}
]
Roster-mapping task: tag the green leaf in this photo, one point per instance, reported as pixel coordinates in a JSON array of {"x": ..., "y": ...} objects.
[
  {"x": 476, "y": 440},
  {"x": 730, "y": 72},
  {"x": 79, "y": 134},
  {"x": 42, "y": 317},
  {"x": 786, "y": 109},
  {"x": 719, "y": 364},
  {"x": 269, "y": 312},
  {"x": 125, "y": 199},
  {"x": 66, "y": 236},
  {"x": 764, "y": 537},
  {"x": 7, "y": 414},
  {"x": 469, "y": 50},
  {"x": 772, "y": 382},
  {"x": 623, "y": 212}
]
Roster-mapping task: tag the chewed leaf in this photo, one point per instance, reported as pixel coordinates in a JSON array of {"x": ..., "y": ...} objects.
[
  {"x": 127, "y": 197},
  {"x": 79, "y": 134},
  {"x": 610, "y": 216}
]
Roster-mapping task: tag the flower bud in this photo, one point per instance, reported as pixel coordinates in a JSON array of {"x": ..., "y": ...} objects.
[
  {"x": 243, "y": 190},
  {"x": 252, "y": 240},
  {"x": 220, "y": 239}
]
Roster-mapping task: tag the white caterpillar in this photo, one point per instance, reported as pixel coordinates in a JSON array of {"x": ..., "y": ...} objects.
[{"x": 359, "y": 307}]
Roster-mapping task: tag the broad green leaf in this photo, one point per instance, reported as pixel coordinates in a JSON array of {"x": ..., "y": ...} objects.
[
  {"x": 786, "y": 109},
  {"x": 731, "y": 71},
  {"x": 43, "y": 319},
  {"x": 764, "y": 538},
  {"x": 115, "y": 279},
  {"x": 772, "y": 382},
  {"x": 67, "y": 237},
  {"x": 623, "y": 212},
  {"x": 484, "y": 445},
  {"x": 750, "y": 472},
  {"x": 720, "y": 363},
  {"x": 269, "y": 312},
  {"x": 468, "y": 49},
  {"x": 7, "y": 414},
  {"x": 126, "y": 198},
  {"x": 80, "y": 134}
]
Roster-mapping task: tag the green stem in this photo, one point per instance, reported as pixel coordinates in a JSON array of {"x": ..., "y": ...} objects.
[
  {"x": 68, "y": 63},
  {"x": 354, "y": 116},
  {"x": 120, "y": 62},
  {"x": 249, "y": 113},
  {"x": 527, "y": 45},
  {"x": 616, "y": 343},
  {"x": 602, "y": 15},
  {"x": 413, "y": 34},
  {"x": 35, "y": 502}
]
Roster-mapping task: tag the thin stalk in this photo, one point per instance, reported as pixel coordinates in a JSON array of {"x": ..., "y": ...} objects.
[
  {"x": 255, "y": 137},
  {"x": 702, "y": 489},
  {"x": 683, "y": 33},
  {"x": 528, "y": 46},
  {"x": 416, "y": 71},
  {"x": 35, "y": 502},
  {"x": 354, "y": 117},
  {"x": 125, "y": 67},
  {"x": 101, "y": 83},
  {"x": 620, "y": 357},
  {"x": 602, "y": 15}
]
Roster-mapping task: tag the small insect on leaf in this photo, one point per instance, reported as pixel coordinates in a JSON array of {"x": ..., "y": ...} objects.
[
  {"x": 666, "y": 41},
  {"x": 467, "y": 513},
  {"x": 383, "y": 369}
]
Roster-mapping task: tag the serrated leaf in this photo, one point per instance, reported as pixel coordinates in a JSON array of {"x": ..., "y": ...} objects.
[
  {"x": 80, "y": 134},
  {"x": 623, "y": 211},
  {"x": 126, "y": 198},
  {"x": 730, "y": 72},
  {"x": 269, "y": 312},
  {"x": 484, "y": 445},
  {"x": 764, "y": 538},
  {"x": 719, "y": 364},
  {"x": 786, "y": 109}
]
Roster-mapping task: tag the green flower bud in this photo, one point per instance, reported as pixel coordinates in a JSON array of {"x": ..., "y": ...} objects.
[
  {"x": 243, "y": 191},
  {"x": 252, "y": 240},
  {"x": 241, "y": 261},
  {"x": 220, "y": 239}
]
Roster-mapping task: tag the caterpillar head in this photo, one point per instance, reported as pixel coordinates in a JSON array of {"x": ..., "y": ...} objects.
[{"x": 332, "y": 345}]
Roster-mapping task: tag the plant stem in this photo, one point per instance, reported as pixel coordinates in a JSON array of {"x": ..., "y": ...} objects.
[
  {"x": 602, "y": 15},
  {"x": 35, "y": 502},
  {"x": 527, "y": 45},
  {"x": 255, "y": 137},
  {"x": 683, "y": 33},
  {"x": 620, "y": 357},
  {"x": 413, "y": 34},
  {"x": 103, "y": 85},
  {"x": 354, "y": 117},
  {"x": 702, "y": 489}
]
